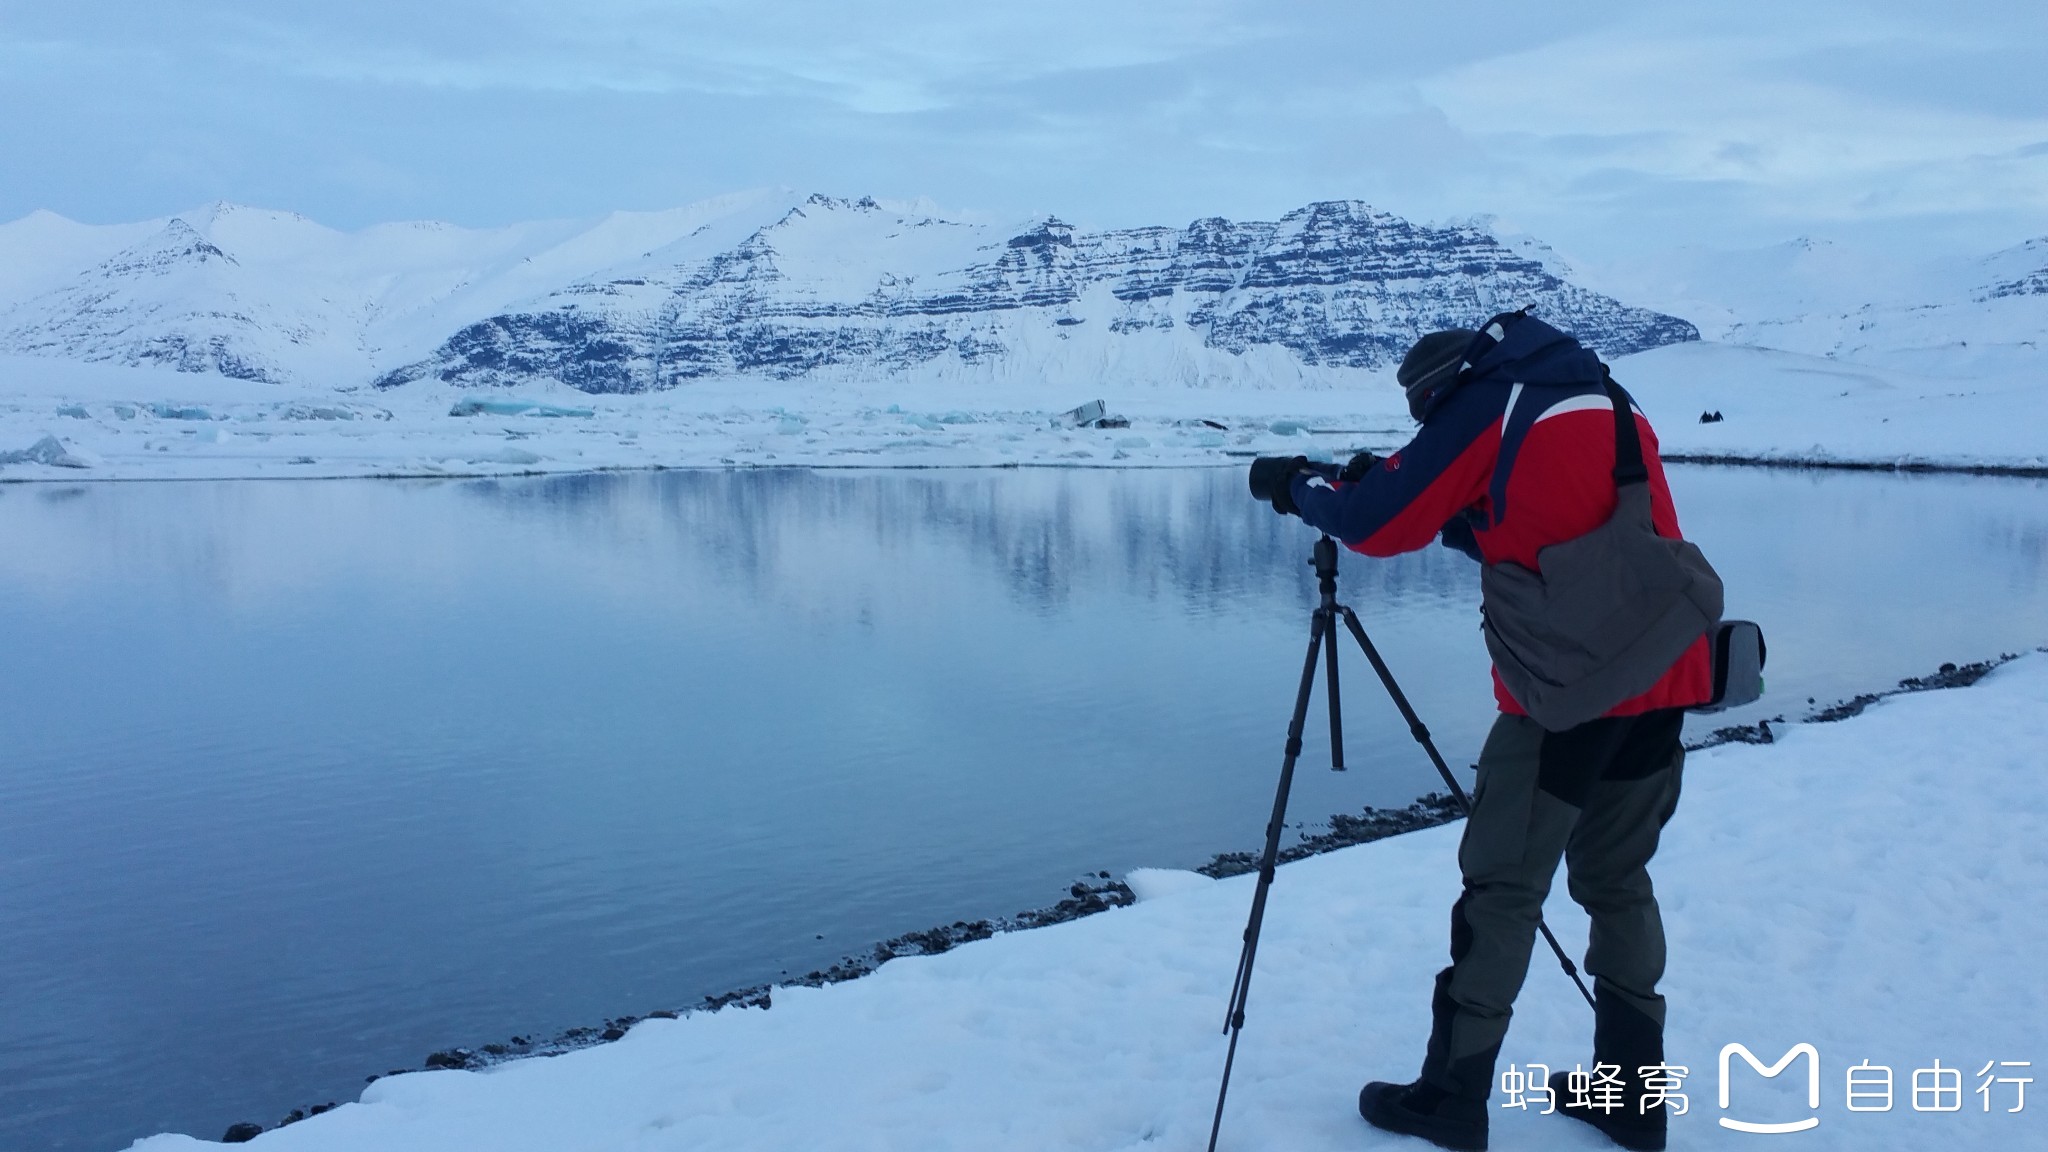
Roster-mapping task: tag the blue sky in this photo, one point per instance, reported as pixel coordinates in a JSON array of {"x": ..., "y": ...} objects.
[{"x": 1603, "y": 127}]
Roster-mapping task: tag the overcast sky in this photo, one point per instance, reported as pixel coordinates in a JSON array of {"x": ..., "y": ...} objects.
[{"x": 1603, "y": 127}]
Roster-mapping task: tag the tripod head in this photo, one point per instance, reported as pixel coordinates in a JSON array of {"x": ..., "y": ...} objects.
[{"x": 1324, "y": 560}]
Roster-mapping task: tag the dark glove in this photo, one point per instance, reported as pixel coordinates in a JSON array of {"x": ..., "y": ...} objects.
[
  {"x": 1459, "y": 536},
  {"x": 1272, "y": 480},
  {"x": 1360, "y": 464}
]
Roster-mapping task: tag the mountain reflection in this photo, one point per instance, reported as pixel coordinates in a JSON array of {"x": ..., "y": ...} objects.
[{"x": 1192, "y": 536}]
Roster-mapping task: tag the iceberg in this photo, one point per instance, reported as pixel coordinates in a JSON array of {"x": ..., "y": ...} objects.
[
  {"x": 517, "y": 408},
  {"x": 164, "y": 411},
  {"x": 506, "y": 456},
  {"x": 49, "y": 450}
]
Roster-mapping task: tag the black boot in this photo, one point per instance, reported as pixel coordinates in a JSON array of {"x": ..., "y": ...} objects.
[
  {"x": 1422, "y": 1109},
  {"x": 1627, "y": 1125},
  {"x": 1626, "y": 1038}
]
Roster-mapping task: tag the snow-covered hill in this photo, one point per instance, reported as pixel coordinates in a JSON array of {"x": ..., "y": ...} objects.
[
  {"x": 769, "y": 284},
  {"x": 1960, "y": 316}
]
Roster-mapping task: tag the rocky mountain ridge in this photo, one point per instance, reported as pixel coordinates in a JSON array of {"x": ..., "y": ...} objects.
[{"x": 1333, "y": 285}]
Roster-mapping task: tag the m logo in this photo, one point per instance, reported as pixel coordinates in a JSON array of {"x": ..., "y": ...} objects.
[{"x": 1784, "y": 1062}]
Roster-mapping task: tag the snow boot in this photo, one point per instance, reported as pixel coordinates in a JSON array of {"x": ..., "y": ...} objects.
[
  {"x": 1422, "y": 1109},
  {"x": 1625, "y": 1126}
]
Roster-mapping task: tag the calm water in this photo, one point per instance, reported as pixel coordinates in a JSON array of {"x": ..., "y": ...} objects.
[{"x": 302, "y": 781}]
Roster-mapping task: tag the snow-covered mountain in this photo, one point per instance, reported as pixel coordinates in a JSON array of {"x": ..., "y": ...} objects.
[
  {"x": 771, "y": 284},
  {"x": 273, "y": 296},
  {"x": 862, "y": 288}
]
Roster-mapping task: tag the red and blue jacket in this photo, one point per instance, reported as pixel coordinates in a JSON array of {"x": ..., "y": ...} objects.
[{"x": 1515, "y": 456}]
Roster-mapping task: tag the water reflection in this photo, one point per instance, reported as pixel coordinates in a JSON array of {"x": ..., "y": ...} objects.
[
  {"x": 308, "y": 779},
  {"x": 1047, "y": 533}
]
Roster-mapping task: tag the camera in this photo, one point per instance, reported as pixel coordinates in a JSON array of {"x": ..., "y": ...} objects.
[{"x": 1271, "y": 474}]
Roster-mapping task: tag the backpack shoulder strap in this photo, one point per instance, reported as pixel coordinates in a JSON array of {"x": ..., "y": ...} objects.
[{"x": 1628, "y": 445}]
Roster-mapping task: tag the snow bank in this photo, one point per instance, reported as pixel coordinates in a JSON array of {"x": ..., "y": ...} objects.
[
  {"x": 1789, "y": 407},
  {"x": 1867, "y": 887}
]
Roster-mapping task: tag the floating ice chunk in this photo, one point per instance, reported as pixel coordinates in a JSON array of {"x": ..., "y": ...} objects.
[
  {"x": 1134, "y": 442},
  {"x": 490, "y": 408},
  {"x": 506, "y": 456},
  {"x": 1153, "y": 883},
  {"x": 49, "y": 450},
  {"x": 316, "y": 412},
  {"x": 517, "y": 408},
  {"x": 75, "y": 411},
  {"x": 179, "y": 411},
  {"x": 925, "y": 422},
  {"x": 1208, "y": 439},
  {"x": 1286, "y": 428},
  {"x": 789, "y": 425},
  {"x": 124, "y": 411},
  {"x": 1083, "y": 417},
  {"x": 215, "y": 436}
]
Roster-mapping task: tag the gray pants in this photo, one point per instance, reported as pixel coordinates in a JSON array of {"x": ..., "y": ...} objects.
[{"x": 1598, "y": 796}]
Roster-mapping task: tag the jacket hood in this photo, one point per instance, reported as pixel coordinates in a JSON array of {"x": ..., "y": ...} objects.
[{"x": 1517, "y": 347}]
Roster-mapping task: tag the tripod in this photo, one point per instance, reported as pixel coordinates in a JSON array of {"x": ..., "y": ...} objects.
[{"x": 1322, "y": 629}]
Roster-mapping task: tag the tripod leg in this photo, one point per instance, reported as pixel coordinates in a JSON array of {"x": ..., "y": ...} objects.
[
  {"x": 1336, "y": 709},
  {"x": 1421, "y": 734},
  {"x": 1320, "y": 625}
]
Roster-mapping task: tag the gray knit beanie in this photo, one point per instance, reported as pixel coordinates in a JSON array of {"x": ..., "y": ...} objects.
[{"x": 1431, "y": 365}]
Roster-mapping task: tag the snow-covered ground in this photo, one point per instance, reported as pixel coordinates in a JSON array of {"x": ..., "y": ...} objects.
[
  {"x": 146, "y": 423},
  {"x": 1797, "y": 408},
  {"x": 1869, "y": 888}
]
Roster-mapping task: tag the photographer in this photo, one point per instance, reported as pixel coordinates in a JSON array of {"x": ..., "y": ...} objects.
[{"x": 1523, "y": 446}]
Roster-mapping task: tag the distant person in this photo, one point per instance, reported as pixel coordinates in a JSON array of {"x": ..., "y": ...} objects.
[{"x": 1522, "y": 447}]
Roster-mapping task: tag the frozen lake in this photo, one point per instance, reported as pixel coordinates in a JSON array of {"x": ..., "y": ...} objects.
[{"x": 303, "y": 781}]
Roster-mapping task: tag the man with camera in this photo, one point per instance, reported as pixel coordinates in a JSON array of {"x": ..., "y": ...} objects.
[{"x": 1533, "y": 461}]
